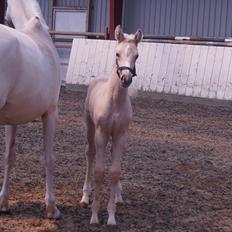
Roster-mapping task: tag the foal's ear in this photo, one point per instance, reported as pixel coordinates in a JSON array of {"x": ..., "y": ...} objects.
[
  {"x": 138, "y": 36},
  {"x": 119, "y": 36}
]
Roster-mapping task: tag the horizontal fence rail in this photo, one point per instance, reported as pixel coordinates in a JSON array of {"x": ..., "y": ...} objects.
[{"x": 91, "y": 34}]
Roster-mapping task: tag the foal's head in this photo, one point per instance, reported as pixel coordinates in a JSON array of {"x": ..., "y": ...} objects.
[{"x": 126, "y": 55}]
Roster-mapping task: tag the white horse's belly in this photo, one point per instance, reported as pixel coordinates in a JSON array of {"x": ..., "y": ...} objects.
[{"x": 22, "y": 112}]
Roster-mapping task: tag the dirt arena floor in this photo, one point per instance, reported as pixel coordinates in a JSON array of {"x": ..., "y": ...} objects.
[{"x": 177, "y": 170}]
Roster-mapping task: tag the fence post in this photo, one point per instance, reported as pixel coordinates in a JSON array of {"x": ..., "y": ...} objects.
[
  {"x": 2, "y": 11},
  {"x": 115, "y": 15}
]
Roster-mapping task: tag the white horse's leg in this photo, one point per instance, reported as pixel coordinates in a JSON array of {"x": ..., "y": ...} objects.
[
  {"x": 49, "y": 124},
  {"x": 100, "y": 144},
  {"x": 119, "y": 142},
  {"x": 10, "y": 133},
  {"x": 90, "y": 154}
]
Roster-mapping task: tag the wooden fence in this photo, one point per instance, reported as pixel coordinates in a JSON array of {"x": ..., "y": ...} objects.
[{"x": 191, "y": 70}]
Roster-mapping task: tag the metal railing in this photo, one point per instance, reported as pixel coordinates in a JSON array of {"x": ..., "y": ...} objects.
[
  {"x": 64, "y": 39},
  {"x": 193, "y": 40}
]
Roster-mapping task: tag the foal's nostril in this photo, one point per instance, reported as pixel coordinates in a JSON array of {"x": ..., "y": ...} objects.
[{"x": 126, "y": 82}]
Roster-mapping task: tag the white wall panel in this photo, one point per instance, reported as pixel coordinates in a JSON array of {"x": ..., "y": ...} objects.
[{"x": 192, "y": 70}]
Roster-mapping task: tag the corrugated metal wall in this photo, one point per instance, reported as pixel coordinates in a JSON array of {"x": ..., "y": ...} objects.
[
  {"x": 99, "y": 15},
  {"x": 46, "y": 7},
  {"x": 160, "y": 17},
  {"x": 46, "y": 10},
  {"x": 99, "y": 12},
  {"x": 179, "y": 17},
  {"x": 79, "y": 3}
]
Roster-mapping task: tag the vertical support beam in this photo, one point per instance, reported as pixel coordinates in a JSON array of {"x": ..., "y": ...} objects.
[
  {"x": 52, "y": 5},
  {"x": 115, "y": 15},
  {"x": 2, "y": 11},
  {"x": 89, "y": 13}
]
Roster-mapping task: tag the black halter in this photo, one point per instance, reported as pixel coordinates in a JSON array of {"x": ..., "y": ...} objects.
[{"x": 120, "y": 68}]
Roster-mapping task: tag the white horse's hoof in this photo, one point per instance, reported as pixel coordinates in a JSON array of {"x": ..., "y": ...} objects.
[
  {"x": 4, "y": 207},
  {"x": 53, "y": 213},
  {"x": 94, "y": 219},
  {"x": 111, "y": 221}
]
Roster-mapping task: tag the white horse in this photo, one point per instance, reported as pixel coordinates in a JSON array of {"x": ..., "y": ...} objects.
[
  {"x": 29, "y": 87},
  {"x": 108, "y": 112}
]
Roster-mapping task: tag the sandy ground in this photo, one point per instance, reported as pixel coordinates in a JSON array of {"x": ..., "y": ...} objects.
[{"x": 177, "y": 170}]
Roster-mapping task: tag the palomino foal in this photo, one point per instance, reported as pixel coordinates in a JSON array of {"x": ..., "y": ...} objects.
[
  {"x": 108, "y": 112},
  {"x": 29, "y": 87}
]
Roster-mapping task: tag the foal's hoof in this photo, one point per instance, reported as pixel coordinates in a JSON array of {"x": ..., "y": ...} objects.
[
  {"x": 84, "y": 202},
  {"x": 94, "y": 220},
  {"x": 111, "y": 221},
  {"x": 118, "y": 199},
  {"x": 53, "y": 213}
]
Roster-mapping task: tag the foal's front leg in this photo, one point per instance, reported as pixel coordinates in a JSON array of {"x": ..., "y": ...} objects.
[
  {"x": 49, "y": 124},
  {"x": 119, "y": 141},
  {"x": 100, "y": 144},
  {"x": 10, "y": 133}
]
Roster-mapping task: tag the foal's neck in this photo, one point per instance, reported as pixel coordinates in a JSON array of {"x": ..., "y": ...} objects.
[{"x": 118, "y": 93}]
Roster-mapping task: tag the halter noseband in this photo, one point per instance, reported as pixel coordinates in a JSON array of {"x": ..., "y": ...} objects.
[{"x": 120, "y": 68}]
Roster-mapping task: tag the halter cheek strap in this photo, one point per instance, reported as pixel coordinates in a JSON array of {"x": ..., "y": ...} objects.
[{"x": 120, "y": 68}]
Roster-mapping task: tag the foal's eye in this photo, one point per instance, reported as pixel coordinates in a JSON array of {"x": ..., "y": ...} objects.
[{"x": 118, "y": 55}]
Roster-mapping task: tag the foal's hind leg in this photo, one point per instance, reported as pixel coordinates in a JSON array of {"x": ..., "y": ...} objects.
[
  {"x": 118, "y": 194},
  {"x": 10, "y": 133},
  {"x": 119, "y": 141},
  {"x": 49, "y": 124},
  {"x": 90, "y": 154}
]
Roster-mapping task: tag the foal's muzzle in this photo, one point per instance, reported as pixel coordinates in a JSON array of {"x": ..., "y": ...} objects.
[{"x": 126, "y": 80}]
